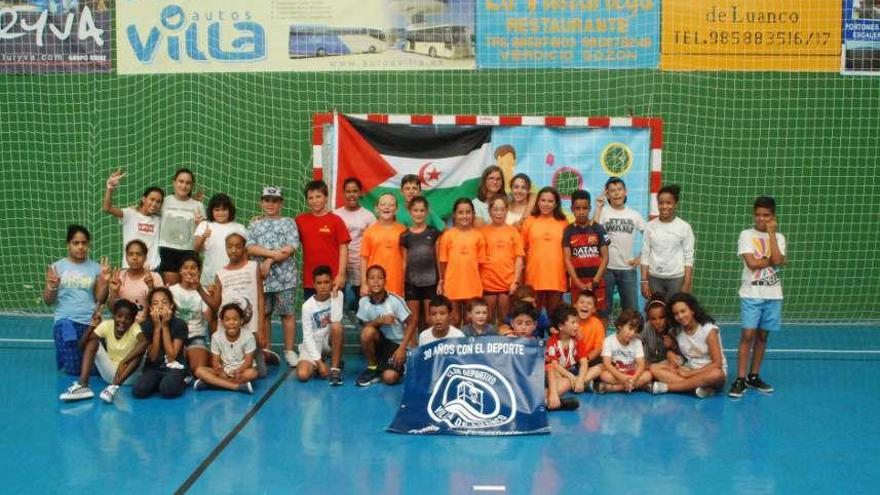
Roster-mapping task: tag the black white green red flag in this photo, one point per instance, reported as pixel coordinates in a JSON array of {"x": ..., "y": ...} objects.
[{"x": 447, "y": 159}]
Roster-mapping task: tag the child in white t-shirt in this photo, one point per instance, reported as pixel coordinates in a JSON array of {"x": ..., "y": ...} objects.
[
  {"x": 322, "y": 330},
  {"x": 622, "y": 224},
  {"x": 439, "y": 311},
  {"x": 181, "y": 213},
  {"x": 762, "y": 250},
  {"x": 139, "y": 222},
  {"x": 192, "y": 309},
  {"x": 356, "y": 219},
  {"x": 623, "y": 358},
  {"x": 703, "y": 367},
  {"x": 232, "y": 355},
  {"x": 210, "y": 236}
]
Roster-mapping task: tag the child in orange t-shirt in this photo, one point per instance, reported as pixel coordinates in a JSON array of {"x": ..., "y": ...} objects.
[
  {"x": 381, "y": 246},
  {"x": 542, "y": 235},
  {"x": 502, "y": 271},
  {"x": 591, "y": 330},
  {"x": 460, "y": 251}
]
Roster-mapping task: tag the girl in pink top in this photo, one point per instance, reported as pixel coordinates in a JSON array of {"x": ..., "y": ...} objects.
[{"x": 135, "y": 282}]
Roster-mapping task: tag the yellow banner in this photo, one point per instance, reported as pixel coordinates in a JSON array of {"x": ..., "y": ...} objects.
[{"x": 780, "y": 35}]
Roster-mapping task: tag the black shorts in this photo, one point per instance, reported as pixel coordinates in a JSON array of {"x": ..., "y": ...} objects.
[
  {"x": 171, "y": 259},
  {"x": 384, "y": 350},
  {"x": 413, "y": 293}
]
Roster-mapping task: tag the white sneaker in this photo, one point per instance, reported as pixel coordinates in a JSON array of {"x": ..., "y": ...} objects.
[
  {"x": 76, "y": 392},
  {"x": 173, "y": 365},
  {"x": 246, "y": 388},
  {"x": 659, "y": 388},
  {"x": 199, "y": 385},
  {"x": 109, "y": 393},
  {"x": 704, "y": 392},
  {"x": 291, "y": 357}
]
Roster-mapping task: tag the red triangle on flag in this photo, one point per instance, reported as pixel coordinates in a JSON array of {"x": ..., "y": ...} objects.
[{"x": 358, "y": 158}]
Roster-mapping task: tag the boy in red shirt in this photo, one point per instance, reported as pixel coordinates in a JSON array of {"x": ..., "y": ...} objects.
[
  {"x": 565, "y": 357},
  {"x": 324, "y": 238}
]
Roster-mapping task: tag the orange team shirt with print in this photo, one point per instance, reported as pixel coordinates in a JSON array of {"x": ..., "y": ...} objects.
[
  {"x": 591, "y": 335},
  {"x": 462, "y": 251},
  {"x": 381, "y": 246},
  {"x": 503, "y": 244},
  {"x": 545, "y": 266}
]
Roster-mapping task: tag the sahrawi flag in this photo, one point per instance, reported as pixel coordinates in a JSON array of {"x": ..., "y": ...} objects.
[{"x": 448, "y": 159}]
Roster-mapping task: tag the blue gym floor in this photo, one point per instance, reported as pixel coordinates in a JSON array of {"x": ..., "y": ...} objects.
[{"x": 817, "y": 433}]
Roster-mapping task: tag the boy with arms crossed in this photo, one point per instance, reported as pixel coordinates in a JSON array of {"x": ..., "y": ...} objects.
[{"x": 271, "y": 241}]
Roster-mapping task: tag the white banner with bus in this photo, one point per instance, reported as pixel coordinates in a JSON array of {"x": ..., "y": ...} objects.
[{"x": 176, "y": 36}]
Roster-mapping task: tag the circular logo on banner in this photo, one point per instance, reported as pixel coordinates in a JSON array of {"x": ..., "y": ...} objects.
[
  {"x": 616, "y": 159},
  {"x": 472, "y": 396},
  {"x": 567, "y": 180}
]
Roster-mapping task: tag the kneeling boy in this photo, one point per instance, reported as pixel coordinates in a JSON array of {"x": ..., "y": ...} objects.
[
  {"x": 322, "y": 330},
  {"x": 384, "y": 316}
]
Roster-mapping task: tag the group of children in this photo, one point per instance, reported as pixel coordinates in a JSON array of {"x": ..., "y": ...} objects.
[{"x": 489, "y": 272}]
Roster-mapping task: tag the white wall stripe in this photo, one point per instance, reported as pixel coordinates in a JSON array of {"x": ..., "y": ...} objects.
[
  {"x": 656, "y": 160},
  {"x": 317, "y": 156},
  {"x": 621, "y": 122}
]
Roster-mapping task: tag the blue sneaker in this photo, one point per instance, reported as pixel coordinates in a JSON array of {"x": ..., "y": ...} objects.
[{"x": 368, "y": 377}]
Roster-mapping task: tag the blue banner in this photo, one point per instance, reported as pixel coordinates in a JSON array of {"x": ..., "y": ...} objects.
[
  {"x": 474, "y": 386},
  {"x": 861, "y": 37},
  {"x": 599, "y": 34}
]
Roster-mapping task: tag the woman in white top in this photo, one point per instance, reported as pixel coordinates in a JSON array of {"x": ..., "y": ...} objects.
[
  {"x": 491, "y": 183},
  {"x": 701, "y": 365},
  {"x": 180, "y": 215},
  {"x": 521, "y": 200},
  {"x": 668, "y": 249}
]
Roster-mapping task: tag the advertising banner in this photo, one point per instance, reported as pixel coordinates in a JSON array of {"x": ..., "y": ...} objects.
[
  {"x": 171, "y": 36},
  {"x": 783, "y": 35},
  {"x": 861, "y": 37},
  {"x": 474, "y": 386},
  {"x": 51, "y": 36},
  {"x": 608, "y": 34}
]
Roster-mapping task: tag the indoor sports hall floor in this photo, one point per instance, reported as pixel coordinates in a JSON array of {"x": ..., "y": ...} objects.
[{"x": 818, "y": 433}]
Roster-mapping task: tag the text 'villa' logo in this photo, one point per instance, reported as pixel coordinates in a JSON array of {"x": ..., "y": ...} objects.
[
  {"x": 472, "y": 396},
  {"x": 184, "y": 36}
]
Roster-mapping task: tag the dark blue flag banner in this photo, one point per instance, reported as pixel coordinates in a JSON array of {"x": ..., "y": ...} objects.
[{"x": 474, "y": 386}]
